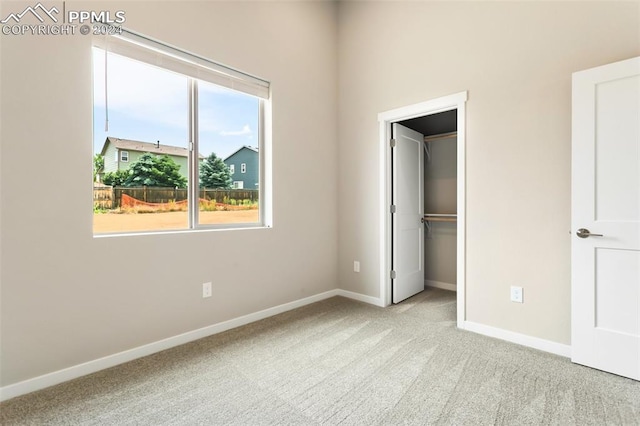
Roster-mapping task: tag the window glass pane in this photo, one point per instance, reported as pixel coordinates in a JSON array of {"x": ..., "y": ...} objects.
[
  {"x": 229, "y": 141},
  {"x": 148, "y": 116}
]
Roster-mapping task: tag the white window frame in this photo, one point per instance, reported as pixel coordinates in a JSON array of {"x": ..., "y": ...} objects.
[
  {"x": 243, "y": 168},
  {"x": 145, "y": 49},
  {"x": 232, "y": 169},
  {"x": 124, "y": 156}
]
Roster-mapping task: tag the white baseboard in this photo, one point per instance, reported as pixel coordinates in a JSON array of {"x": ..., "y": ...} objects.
[
  {"x": 440, "y": 284},
  {"x": 70, "y": 373},
  {"x": 520, "y": 339},
  {"x": 361, "y": 297}
]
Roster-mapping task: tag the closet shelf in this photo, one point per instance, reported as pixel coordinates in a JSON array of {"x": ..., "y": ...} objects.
[{"x": 432, "y": 138}]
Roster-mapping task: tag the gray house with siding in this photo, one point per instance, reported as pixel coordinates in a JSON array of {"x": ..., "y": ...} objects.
[
  {"x": 244, "y": 167},
  {"x": 119, "y": 154}
]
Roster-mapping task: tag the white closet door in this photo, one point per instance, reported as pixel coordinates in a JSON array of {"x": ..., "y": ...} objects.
[
  {"x": 606, "y": 218},
  {"x": 408, "y": 198}
]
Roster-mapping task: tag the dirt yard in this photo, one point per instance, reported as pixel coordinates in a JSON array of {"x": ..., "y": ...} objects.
[{"x": 131, "y": 222}]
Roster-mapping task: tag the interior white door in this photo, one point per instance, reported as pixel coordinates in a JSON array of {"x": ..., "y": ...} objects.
[
  {"x": 605, "y": 320},
  {"x": 408, "y": 199}
]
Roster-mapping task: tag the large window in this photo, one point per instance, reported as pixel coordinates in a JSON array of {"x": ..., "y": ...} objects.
[{"x": 181, "y": 124}]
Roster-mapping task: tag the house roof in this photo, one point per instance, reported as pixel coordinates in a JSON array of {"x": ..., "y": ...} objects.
[
  {"x": 252, "y": 148},
  {"x": 154, "y": 148}
]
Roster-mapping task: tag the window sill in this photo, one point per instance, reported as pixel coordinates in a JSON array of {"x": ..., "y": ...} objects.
[{"x": 182, "y": 231}]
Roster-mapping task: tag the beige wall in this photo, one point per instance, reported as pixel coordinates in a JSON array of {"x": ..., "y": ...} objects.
[
  {"x": 516, "y": 60},
  {"x": 67, "y": 297}
]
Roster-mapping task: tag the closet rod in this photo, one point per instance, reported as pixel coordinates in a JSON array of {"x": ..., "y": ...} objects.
[
  {"x": 440, "y": 219},
  {"x": 440, "y": 136},
  {"x": 434, "y": 217}
]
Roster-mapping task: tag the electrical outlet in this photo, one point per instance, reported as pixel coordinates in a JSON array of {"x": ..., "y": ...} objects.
[
  {"x": 517, "y": 294},
  {"x": 356, "y": 266},
  {"x": 206, "y": 290}
]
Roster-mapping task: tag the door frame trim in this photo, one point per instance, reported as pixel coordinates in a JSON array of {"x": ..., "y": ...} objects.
[{"x": 385, "y": 119}]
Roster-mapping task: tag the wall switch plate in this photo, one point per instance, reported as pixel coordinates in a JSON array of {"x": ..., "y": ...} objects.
[
  {"x": 206, "y": 290},
  {"x": 517, "y": 294},
  {"x": 356, "y": 266}
]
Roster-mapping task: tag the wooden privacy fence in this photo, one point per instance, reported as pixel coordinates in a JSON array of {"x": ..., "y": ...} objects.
[
  {"x": 111, "y": 198},
  {"x": 149, "y": 194},
  {"x": 224, "y": 195},
  {"x": 103, "y": 197}
]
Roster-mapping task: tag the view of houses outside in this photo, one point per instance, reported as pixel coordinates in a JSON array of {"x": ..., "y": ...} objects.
[
  {"x": 141, "y": 150},
  {"x": 244, "y": 168}
]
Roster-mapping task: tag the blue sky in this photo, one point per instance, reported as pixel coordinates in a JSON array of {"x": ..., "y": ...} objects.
[{"x": 148, "y": 104}]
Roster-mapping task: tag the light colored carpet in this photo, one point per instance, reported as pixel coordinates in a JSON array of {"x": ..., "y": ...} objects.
[{"x": 340, "y": 362}]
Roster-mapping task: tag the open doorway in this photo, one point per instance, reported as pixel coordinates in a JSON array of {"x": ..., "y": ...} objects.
[{"x": 423, "y": 222}]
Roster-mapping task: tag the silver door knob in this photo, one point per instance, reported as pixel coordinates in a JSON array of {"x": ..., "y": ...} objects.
[{"x": 584, "y": 233}]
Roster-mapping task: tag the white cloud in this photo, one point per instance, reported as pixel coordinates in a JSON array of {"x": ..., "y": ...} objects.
[{"x": 244, "y": 132}]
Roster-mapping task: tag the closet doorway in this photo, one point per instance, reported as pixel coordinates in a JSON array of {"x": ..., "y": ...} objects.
[{"x": 422, "y": 188}]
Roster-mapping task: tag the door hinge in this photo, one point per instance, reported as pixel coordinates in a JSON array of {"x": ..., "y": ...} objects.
[
  {"x": 392, "y": 142},
  {"x": 392, "y": 274},
  {"x": 392, "y": 208}
]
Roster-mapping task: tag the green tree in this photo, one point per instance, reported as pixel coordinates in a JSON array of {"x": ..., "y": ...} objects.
[
  {"x": 98, "y": 165},
  {"x": 214, "y": 173},
  {"x": 116, "y": 178},
  {"x": 154, "y": 170}
]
